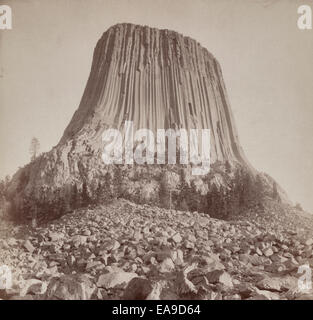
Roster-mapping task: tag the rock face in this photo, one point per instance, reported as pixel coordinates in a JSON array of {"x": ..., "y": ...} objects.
[{"x": 155, "y": 78}]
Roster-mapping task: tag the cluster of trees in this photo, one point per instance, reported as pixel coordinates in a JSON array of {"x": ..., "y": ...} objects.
[
  {"x": 241, "y": 192},
  {"x": 54, "y": 203},
  {"x": 238, "y": 192},
  {"x": 3, "y": 191},
  {"x": 3, "y": 187}
]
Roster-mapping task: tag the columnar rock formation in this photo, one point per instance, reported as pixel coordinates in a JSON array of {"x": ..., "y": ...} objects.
[{"x": 157, "y": 79}]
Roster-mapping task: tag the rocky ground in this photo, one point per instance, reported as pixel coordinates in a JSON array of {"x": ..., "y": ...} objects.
[{"x": 130, "y": 251}]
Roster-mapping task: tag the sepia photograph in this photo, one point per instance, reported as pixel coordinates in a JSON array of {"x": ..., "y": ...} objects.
[{"x": 156, "y": 150}]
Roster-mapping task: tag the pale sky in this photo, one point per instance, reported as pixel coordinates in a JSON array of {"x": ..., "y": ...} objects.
[{"x": 266, "y": 61}]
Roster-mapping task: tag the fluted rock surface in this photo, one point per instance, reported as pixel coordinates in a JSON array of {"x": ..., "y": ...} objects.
[{"x": 155, "y": 78}]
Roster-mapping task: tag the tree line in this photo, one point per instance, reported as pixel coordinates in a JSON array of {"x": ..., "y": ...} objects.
[
  {"x": 240, "y": 191},
  {"x": 52, "y": 203}
]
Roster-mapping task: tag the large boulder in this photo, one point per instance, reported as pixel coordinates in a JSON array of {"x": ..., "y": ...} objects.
[
  {"x": 70, "y": 287},
  {"x": 113, "y": 279},
  {"x": 221, "y": 277},
  {"x": 138, "y": 289}
]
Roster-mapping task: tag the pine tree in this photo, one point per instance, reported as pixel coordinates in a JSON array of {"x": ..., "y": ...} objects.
[
  {"x": 215, "y": 202},
  {"x": 45, "y": 203},
  {"x": 275, "y": 194},
  {"x": 67, "y": 202},
  {"x": 49, "y": 207},
  {"x": 103, "y": 191},
  {"x": 244, "y": 188},
  {"x": 56, "y": 202},
  {"x": 2, "y": 192},
  {"x": 183, "y": 205},
  {"x": 62, "y": 205},
  {"x": 84, "y": 195},
  {"x": 234, "y": 198},
  {"x": 25, "y": 207},
  {"x": 195, "y": 198},
  {"x": 209, "y": 202},
  {"x": 182, "y": 178},
  {"x": 74, "y": 198},
  {"x": 107, "y": 187},
  {"x": 259, "y": 191},
  {"x": 117, "y": 183},
  {"x": 34, "y": 148},
  {"x": 238, "y": 186},
  {"x": 15, "y": 212},
  {"x": 224, "y": 203},
  {"x": 164, "y": 191},
  {"x": 99, "y": 190},
  {"x": 33, "y": 214},
  {"x": 183, "y": 192},
  {"x": 247, "y": 189}
]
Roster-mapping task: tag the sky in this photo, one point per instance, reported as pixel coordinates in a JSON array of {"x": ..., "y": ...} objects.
[{"x": 266, "y": 61}]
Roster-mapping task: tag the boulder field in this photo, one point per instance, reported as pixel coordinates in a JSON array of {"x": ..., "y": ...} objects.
[{"x": 129, "y": 251}]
